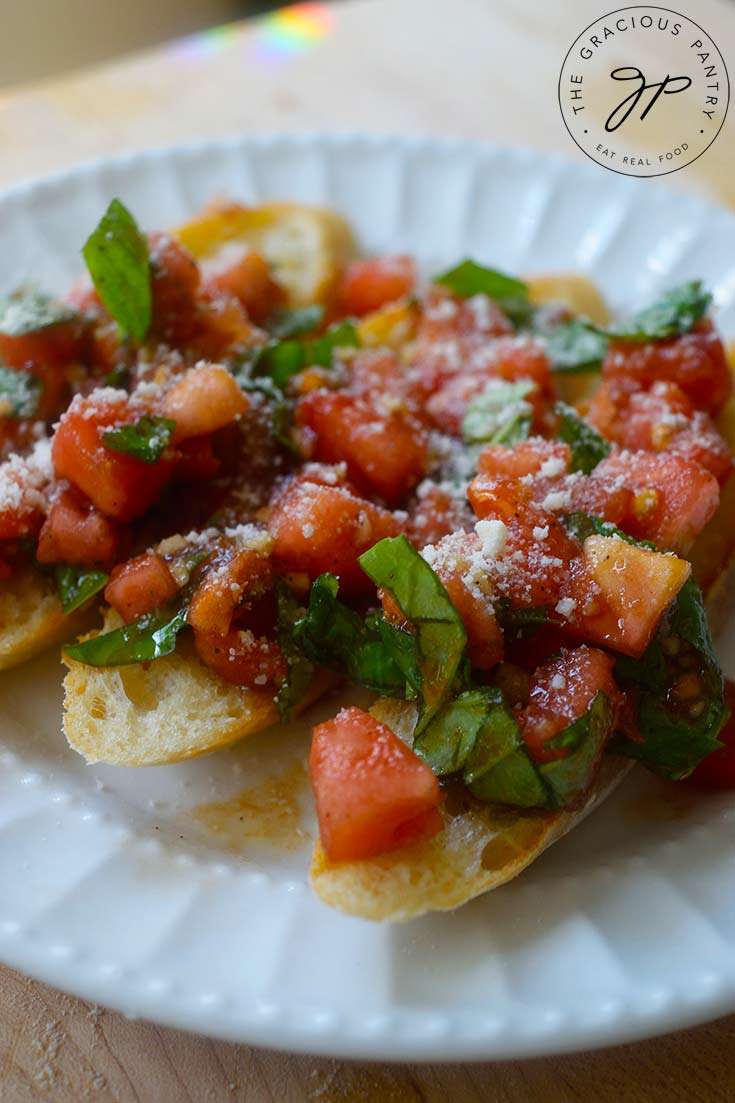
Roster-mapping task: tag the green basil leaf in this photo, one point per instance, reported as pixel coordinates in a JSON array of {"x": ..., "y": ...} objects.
[
  {"x": 77, "y": 585},
  {"x": 299, "y": 669},
  {"x": 499, "y": 769},
  {"x": 673, "y": 314},
  {"x": 116, "y": 254},
  {"x": 499, "y": 414},
  {"x": 448, "y": 739},
  {"x": 20, "y": 393},
  {"x": 575, "y": 346},
  {"x": 280, "y": 362},
  {"x": 522, "y": 622},
  {"x": 28, "y": 310},
  {"x": 675, "y": 736},
  {"x": 470, "y": 278},
  {"x": 150, "y": 637},
  {"x": 321, "y": 350},
  {"x": 293, "y": 323},
  {"x": 569, "y": 777},
  {"x": 583, "y": 525},
  {"x": 588, "y": 447},
  {"x": 367, "y": 651},
  {"x": 394, "y": 565},
  {"x": 147, "y": 439}
]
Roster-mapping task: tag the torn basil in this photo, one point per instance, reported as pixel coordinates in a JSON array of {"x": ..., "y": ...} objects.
[
  {"x": 116, "y": 254},
  {"x": 146, "y": 439},
  {"x": 588, "y": 447},
  {"x": 77, "y": 585}
]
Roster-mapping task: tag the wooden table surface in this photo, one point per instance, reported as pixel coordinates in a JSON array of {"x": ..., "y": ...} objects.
[{"x": 482, "y": 68}]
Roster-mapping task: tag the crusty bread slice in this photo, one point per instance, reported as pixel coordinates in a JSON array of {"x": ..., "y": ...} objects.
[
  {"x": 31, "y": 617},
  {"x": 306, "y": 247},
  {"x": 159, "y": 712},
  {"x": 578, "y": 293},
  {"x": 481, "y": 847}
]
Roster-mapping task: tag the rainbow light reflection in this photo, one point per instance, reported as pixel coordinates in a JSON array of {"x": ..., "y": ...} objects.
[
  {"x": 276, "y": 37},
  {"x": 291, "y": 31}
]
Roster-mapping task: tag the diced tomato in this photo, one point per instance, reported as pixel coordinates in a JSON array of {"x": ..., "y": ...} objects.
[
  {"x": 379, "y": 372},
  {"x": 695, "y": 361},
  {"x": 139, "y": 586},
  {"x": 321, "y": 528},
  {"x": 119, "y": 485},
  {"x": 662, "y": 419},
  {"x": 597, "y": 494},
  {"x": 249, "y": 280},
  {"x": 223, "y": 327},
  {"x": 368, "y": 284},
  {"x": 717, "y": 770},
  {"x": 76, "y": 532},
  {"x": 484, "y": 637},
  {"x": 435, "y": 513},
  {"x": 205, "y": 399},
  {"x": 674, "y": 497},
  {"x": 246, "y": 572},
  {"x": 22, "y": 513},
  {"x": 242, "y": 658},
  {"x": 532, "y": 566},
  {"x": 384, "y": 446},
  {"x": 197, "y": 460},
  {"x": 373, "y": 794},
  {"x": 445, "y": 317},
  {"x": 175, "y": 286},
  {"x": 527, "y": 457},
  {"x": 46, "y": 354},
  {"x": 512, "y": 359},
  {"x": 562, "y": 690},
  {"x": 619, "y": 592}
]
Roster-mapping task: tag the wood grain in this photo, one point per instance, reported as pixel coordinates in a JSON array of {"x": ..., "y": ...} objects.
[
  {"x": 468, "y": 67},
  {"x": 53, "y": 1048}
]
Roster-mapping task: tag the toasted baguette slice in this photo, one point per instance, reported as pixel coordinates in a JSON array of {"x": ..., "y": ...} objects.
[
  {"x": 31, "y": 617},
  {"x": 306, "y": 247},
  {"x": 165, "y": 711},
  {"x": 481, "y": 847},
  {"x": 578, "y": 293}
]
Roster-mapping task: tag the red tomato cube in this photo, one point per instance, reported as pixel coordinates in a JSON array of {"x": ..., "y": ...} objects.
[
  {"x": 76, "y": 532},
  {"x": 369, "y": 284},
  {"x": 119, "y": 485},
  {"x": 373, "y": 794},
  {"x": 139, "y": 586}
]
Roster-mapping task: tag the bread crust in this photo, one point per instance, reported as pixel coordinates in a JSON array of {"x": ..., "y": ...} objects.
[
  {"x": 31, "y": 617},
  {"x": 481, "y": 847},
  {"x": 165, "y": 711}
]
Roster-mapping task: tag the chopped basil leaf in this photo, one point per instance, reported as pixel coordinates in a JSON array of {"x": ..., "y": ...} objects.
[
  {"x": 119, "y": 377},
  {"x": 446, "y": 742},
  {"x": 368, "y": 651},
  {"x": 20, "y": 393},
  {"x": 27, "y": 310},
  {"x": 116, "y": 254},
  {"x": 300, "y": 669},
  {"x": 583, "y": 525},
  {"x": 321, "y": 350},
  {"x": 567, "y": 778},
  {"x": 588, "y": 447},
  {"x": 294, "y": 323},
  {"x": 674, "y": 313},
  {"x": 145, "y": 440},
  {"x": 575, "y": 346},
  {"x": 281, "y": 409},
  {"x": 470, "y": 278},
  {"x": 77, "y": 585},
  {"x": 279, "y": 362},
  {"x": 522, "y": 622},
  {"x": 500, "y": 414},
  {"x": 677, "y": 730},
  {"x": 150, "y": 637},
  {"x": 439, "y": 632}
]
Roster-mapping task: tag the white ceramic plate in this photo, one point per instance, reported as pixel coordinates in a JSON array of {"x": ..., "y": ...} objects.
[{"x": 111, "y": 889}]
